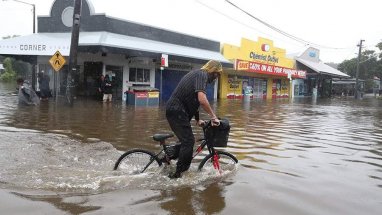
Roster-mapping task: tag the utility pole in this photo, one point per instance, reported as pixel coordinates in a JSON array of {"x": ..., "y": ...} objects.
[
  {"x": 357, "y": 94},
  {"x": 34, "y": 18},
  {"x": 70, "y": 82}
]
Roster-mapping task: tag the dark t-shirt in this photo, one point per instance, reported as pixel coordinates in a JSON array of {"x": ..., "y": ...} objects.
[
  {"x": 107, "y": 86},
  {"x": 44, "y": 83},
  {"x": 185, "y": 96}
]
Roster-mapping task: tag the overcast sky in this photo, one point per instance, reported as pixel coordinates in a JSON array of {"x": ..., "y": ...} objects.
[{"x": 335, "y": 27}]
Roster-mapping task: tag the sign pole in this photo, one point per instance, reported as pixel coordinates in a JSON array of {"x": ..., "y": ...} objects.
[
  {"x": 56, "y": 85},
  {"x": 57, "y": 61}
]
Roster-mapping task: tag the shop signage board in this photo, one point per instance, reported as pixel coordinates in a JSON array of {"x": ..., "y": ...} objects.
[
  {"x": 164, "y": 60},
  {"x": 267, "y": 69},
  {"x": 153, "y": 94}
]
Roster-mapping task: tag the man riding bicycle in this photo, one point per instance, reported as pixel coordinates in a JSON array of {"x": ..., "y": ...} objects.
[{"x": 184, "y": 104}]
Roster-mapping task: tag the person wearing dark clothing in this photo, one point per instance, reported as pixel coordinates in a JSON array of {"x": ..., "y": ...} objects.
[
  {"x": 100, "y": 87},
  {"x": 26, "y": 95},
  {"x": 44, "y": 86},
  {"x": 184, "y": 104},
  {"x": 107, "y": 89}
]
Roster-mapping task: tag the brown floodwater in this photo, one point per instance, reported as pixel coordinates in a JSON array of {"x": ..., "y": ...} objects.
[{"x": 299, "y": 156}]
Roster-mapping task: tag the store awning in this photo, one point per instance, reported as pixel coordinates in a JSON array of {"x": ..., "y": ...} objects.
[
  {"x": 346, "y": 81},
  {"x": 322, "y": 68},
  {"x": 46, "y": 44}
]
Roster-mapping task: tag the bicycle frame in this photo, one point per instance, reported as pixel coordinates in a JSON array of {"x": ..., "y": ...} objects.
[
  {"x": 171, "y": 151},
  {"x": 199, "y": 149}
]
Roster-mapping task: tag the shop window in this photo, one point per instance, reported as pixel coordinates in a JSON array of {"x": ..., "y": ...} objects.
[
  {"x": 139, "y": 75},
  {"x": 132, "y": 74},
  {"x": 146, "y": 76}
]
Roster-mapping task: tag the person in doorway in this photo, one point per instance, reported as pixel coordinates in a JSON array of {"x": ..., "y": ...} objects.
[
  {"x": 100, "y": 87},
  {"x": 44, "y": 86},
  {"x": 26, "y": 95},
  {"x": 107, "y": 89},
  {"x": 184, "y": 104}
]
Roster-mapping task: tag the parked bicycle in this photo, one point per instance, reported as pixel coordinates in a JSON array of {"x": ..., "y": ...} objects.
[{"x": 137, "y": 161}]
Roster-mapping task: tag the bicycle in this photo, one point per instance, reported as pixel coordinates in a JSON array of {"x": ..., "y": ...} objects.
[{"x": 142, "y": 160}]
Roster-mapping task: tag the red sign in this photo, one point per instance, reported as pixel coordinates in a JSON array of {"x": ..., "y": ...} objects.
[
  {"x": 164, "y": 60},
  {"x": 267, "y": 69},
  {"x": 141, "y": 95},
  {"x": 265, "y": 47}
]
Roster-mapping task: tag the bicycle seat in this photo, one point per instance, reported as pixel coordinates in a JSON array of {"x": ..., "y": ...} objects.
[{"x": 161, "y": 137}]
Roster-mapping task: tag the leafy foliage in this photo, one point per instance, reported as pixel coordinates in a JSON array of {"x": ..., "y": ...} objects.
[
  {"x": 370, "y": 66},
  {"x": 13, "y": 69},
  {"x": 9, "y": 74}
]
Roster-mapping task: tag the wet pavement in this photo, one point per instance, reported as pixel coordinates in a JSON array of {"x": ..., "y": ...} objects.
[{"x": 299, "y": 156}]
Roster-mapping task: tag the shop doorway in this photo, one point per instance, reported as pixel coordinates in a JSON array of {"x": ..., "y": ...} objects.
[
  {"x": 91, "y": 79},
  {"x": 116, "y": 75},
  {"x": 259, "y": 88}
]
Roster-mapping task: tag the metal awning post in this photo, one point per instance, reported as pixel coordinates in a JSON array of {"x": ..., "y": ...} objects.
[{"x": 161, "y": 83}]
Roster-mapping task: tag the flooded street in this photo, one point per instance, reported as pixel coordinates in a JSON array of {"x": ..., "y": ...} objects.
[{"x": 295, "y": 157}]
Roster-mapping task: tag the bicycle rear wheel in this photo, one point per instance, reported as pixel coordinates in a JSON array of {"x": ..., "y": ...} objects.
[
  {"x": 137, "y": 161},
  {"x": 227, "y": 162}
]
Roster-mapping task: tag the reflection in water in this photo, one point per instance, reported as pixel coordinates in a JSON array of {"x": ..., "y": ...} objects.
[
  {"x": 199, "y": 200},
  {"x": 301, "y": 149},
  {"x": 75, "y": 207}
]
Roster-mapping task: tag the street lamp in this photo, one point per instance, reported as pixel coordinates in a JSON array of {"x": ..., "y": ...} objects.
[{"x": 33, "y": 10}]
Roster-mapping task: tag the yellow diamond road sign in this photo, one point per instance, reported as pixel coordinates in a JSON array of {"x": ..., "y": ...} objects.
[{"x": 57, "y": 61}]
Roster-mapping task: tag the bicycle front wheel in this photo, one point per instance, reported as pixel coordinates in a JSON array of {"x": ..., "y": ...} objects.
[
  {"x": 227, "y": 162},
  {"x": 137, "y": 161}
]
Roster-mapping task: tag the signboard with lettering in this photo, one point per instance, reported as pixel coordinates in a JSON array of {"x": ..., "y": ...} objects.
[
  {"x": 36, "y": 44},
  {"x": 57, "y": 61},
  {"x": 153, "y": 94},
  {"x": 164, "y": 60},
  {"x": 268, "y": 69},
  {"x": 261, "y": 51}
]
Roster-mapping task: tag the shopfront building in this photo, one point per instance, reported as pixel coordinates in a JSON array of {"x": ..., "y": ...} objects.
[
  {"x": 129, "y": 52},
  {"x": 261, "y": 70},
  {"x": 319, "y": 76}
]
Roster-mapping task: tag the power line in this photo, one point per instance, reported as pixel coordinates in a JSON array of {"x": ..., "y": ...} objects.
[
  {"x": 279, "y": 30},
  {"x": 235, "y": 20}
]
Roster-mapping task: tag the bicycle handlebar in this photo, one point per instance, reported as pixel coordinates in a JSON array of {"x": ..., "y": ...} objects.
[{"x": 208, "y": 123}]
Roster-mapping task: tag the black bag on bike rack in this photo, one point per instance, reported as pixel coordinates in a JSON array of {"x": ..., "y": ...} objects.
[{"x": 217, "y": 136}]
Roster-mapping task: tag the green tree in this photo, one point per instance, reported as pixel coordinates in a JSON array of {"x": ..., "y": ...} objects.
[
  {"x": 369, "y": 66},
  {"x": 349, "y": 67},
  {"x": 378, "y": 69},
  {"x": 22, "y": 68},
  {"x": 9, "y": 74}
]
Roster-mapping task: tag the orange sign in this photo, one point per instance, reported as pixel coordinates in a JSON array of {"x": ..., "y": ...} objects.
[{"x": 57, "y": 61}]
